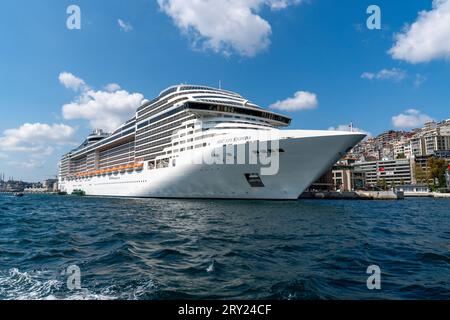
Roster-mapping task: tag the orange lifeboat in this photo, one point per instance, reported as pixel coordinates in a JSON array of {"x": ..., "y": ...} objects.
[{"x": 139, "y": 166}]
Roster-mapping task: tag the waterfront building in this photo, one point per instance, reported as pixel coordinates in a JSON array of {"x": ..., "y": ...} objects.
[
  {"x": 342, "y": 177},
  {"x": 414, "y": 190},
  {"x": 324, "y": 183},
  {"x": 421, "y": 167},
  {"x": 46, "y": 186},
  {"x": 386, "y": 172},
  {"x": 347, "y": 178},
  {"x": 49, "y": 184}
]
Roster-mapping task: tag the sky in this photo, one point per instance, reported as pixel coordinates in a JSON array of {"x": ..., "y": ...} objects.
[{"x": 316, "y": 61}]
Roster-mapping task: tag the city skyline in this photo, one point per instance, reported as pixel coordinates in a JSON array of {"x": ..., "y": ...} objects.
[{"x": 289, "y": 56}]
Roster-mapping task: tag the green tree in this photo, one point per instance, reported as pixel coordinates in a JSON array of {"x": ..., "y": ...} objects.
[
  {"x": 382, "y": 184},
  {"x": 420, "y": 174},
  {"x": 437, "y": 168},
  {"x": 393, "y": 185}
]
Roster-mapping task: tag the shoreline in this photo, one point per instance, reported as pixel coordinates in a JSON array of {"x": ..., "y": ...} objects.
[{"x": 320, "y": 195}]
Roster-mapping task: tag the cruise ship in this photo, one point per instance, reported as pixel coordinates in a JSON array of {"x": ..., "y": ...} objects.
[{"x": 202, "y": 142}]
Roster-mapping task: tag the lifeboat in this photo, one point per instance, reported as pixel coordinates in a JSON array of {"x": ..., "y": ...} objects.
[{"x": 139, "y": 166}]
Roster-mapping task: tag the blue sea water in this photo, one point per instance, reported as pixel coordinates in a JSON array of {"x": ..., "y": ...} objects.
[{"x": 199, "y": 249}]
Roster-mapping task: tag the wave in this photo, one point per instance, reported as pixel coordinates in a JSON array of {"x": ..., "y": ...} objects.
[{"x": 46, "y": 285}]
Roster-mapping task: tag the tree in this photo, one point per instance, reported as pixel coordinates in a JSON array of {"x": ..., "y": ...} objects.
[
  {"x": 401, "y": 156},
  {"x": 382, "y": 184},
  {"x": 438, "y": 167},
  {"x": 420, "y": 174},
  {"x": 393, "y": 185}
]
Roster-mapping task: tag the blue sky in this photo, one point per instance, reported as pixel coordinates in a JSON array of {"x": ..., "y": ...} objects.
[{"x": 319, "y": 47}]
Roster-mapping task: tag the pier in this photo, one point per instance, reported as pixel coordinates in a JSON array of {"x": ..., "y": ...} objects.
[
  {"x": 353, "y": 195},
  {"x": 441, "y": 195}
]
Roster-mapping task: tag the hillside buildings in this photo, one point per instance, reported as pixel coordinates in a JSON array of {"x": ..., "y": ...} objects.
[{"x": 390, "y": 159}]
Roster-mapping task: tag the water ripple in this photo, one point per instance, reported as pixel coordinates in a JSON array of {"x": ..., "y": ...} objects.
[{"x": 186, "y": 249}]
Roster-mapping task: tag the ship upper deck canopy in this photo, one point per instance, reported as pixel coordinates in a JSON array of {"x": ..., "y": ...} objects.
[{"x": 185, "y": 87}]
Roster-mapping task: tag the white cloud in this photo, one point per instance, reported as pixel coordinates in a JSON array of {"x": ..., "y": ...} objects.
[
  {"x": 419, "y": 80},
  {"x": 393, "y": 74},
  {"x": 224, "y": 25},
  {"x": 36, "y": 138},
  {"x": 70, "y": 81},
  {"x": 103, "y": 109},
  {"x": 28, "y": 164},
  {"x": 111, "y": 87},
  {"x": 302, "y": 100},
  {"x": 349, "y": 128},
  {"x": 427, "y": 38},
  {"x": 411, "y": 118},
  {"x": 125, "y": 26}
]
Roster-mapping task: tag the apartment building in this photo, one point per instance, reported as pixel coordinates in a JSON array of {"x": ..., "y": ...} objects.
[{"x": 392, "y": 172}]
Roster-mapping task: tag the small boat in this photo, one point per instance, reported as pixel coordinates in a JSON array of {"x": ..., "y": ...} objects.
[
  {"x": 62, "y": 193},
  {"x": 18, "y": 194},
  {"x": 78, "y": 193}
]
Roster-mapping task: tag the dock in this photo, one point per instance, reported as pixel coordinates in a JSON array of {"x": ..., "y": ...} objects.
[
  {"x": 441, "y": 195},
  {"x": 353, "y": 195}
]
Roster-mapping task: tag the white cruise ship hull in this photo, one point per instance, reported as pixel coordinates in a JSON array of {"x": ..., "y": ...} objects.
[{"x": 306, "y": 156}]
